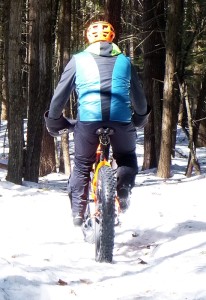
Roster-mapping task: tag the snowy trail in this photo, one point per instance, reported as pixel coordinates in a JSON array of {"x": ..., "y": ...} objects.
[{"x": 160, "y": 247}]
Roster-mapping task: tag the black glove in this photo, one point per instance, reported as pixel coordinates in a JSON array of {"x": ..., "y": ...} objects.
[
  {"x": 141, "y": 120},
  {"x": 57, "y": 127}
]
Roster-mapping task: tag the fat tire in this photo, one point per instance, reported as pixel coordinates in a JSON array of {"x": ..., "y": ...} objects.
[{"x": 105, "y": 219}]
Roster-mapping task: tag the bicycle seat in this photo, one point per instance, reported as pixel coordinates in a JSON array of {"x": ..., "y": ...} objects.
[{"x": 105, "y": 131}]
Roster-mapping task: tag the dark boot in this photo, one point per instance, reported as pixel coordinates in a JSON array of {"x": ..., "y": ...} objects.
[
  {"x": 78, "y": 219},
  {"x": 123, "y": 194},
  {"x": 125, "y": 183}
]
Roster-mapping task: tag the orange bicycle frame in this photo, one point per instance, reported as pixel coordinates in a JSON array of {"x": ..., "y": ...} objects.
[{"x": 97, "y": 165}]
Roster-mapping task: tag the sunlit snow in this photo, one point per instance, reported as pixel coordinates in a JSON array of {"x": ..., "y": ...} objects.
[{"x": 160, "y": 244}]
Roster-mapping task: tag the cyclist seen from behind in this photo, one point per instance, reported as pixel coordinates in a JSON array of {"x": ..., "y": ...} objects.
[{"x": 108, "y": 90}]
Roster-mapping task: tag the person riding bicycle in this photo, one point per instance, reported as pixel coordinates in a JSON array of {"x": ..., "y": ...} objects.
[{"x": 109, "y": 91}]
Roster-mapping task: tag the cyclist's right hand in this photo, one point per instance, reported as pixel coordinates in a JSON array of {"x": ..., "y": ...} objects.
[{"x": 140, "y": 121}]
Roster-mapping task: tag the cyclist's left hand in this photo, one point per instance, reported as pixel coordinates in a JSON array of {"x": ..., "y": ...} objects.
[{"x": 57, "y": 127}]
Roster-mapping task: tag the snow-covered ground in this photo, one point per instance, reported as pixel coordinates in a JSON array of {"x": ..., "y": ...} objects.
[{"x": 160, "y": 244}]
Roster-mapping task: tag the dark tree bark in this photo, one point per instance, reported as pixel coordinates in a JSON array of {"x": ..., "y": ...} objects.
[
  {"x": 192, "y": 161},
  {"x": 16, "y": 103},
  {"x": 154, "y": 66},
  {"x": 40, "y": 84},
  {"x": 200, "y": 120},
  {"x": 174, "y": 19},
  {"x": 63, "y": 55},
  {"x": 47, "y": 159},
  {"x": 113, "y": 15},
  {"x": 3, "y": 109}
]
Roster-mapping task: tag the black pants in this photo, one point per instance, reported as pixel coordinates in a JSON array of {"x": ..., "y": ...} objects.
[{"x": 123, "y": 143}]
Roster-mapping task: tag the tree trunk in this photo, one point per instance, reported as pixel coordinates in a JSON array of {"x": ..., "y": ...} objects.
[
  {"x": 200, "y": 120},
  {"x": 14, "y": 92},
  {"x": 63, "y": 56},
  {"x": 113, "y": 15},
  {"x": 3, "y": 110},
  {"x": 47, "y": 159},
  {"x": 65, "y": 155},
  {"x": 200, "y": 128},
  {"x": 154, "y": 60},
  {"x": 174, "y": 17},
  {"x": 47, "y": 150},
  {"x": 192, "y": 161},
  {"x": 40, "y": 84}
]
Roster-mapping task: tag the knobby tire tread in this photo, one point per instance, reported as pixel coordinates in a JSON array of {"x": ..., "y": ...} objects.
[{"x": 104, "y": 226}]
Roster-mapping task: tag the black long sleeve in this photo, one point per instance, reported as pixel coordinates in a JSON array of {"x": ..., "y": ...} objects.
[
  {"x": 138, "y": 98},
  {"x": 63, "y": 90}
]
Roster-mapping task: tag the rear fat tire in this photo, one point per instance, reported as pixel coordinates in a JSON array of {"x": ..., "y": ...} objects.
[{"x": 105, "y": 220}]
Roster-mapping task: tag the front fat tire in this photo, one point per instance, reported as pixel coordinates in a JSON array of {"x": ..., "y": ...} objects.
[{"x": 105, "y": 220}]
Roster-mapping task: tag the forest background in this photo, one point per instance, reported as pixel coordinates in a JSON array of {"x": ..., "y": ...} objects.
[{"x": 166, "y": 41}]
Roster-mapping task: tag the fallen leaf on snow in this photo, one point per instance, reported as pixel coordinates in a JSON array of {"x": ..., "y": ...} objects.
[{"x": 62, "y": 282}]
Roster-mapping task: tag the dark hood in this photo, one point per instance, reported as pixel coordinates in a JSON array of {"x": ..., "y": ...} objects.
[{"x": 103, "y": 49}]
